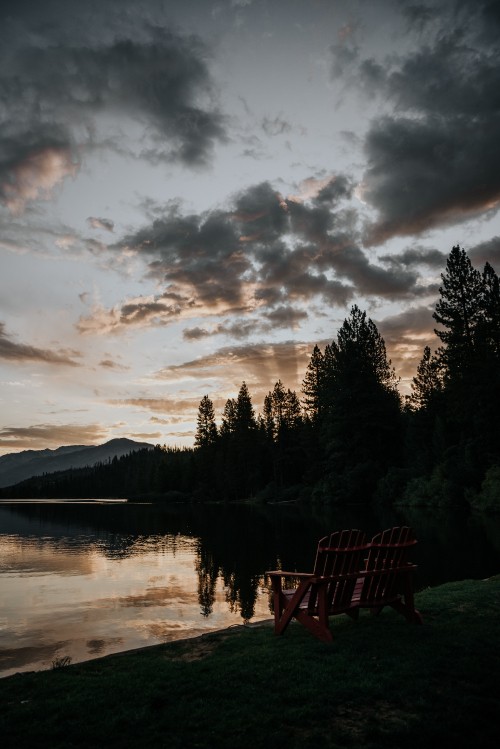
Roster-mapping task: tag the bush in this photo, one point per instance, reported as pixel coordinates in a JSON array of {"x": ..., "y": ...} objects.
[
  {"x": 488, "y": 498},
  {"x": 433, "y": 491}
]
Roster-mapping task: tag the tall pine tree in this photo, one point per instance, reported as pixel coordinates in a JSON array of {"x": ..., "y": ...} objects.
[
  {"x": 206, "y": 430},
  {"x": 362, "y": 427}
]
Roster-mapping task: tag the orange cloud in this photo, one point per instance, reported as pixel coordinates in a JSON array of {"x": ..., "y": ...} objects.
[{"x": 35, "y": 177}]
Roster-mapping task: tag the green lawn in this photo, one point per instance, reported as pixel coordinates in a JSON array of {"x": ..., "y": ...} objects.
[{"x": 382, "y": 683}]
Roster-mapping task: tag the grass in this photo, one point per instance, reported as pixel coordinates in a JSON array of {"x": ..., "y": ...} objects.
[{"x": 382, "y": 683}]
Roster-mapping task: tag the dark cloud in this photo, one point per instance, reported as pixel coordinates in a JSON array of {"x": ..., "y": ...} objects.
[
  {"x": 417, "y": 256},
  {"x": 196, "y": 333},
  {"x": 424, "y": 174},
  {"x": 51, "y": 91},
  {"x": 298, "y": 275},
  {"x": 260, "y": 214},
  {"x": 337, "y": 189},
  {"x": 286, "y": 316},
  {"x": 373, "y": 280},
  {"x": 486, "y": 252},
  {"x": 412, "y": 322},
  {"x": 201, "y": 253},
  {"x": 21, "y": 352},
  {"x": 262, "y": 253},
  {"x": 435, "y": 161},
  {"x": 419, "y": 16},
  {"x": 135, "y": 312},
  {"x": 208, "y": 257},
  {"x": 237, "y": 328}
]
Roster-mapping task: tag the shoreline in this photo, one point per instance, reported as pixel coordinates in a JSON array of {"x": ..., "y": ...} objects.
[{"x": 144, "y": 648}]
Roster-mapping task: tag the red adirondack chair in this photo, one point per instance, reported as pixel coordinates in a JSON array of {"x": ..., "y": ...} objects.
[
  {"x": 387, "y": 577},
  {"x": 326, "y": 591}
]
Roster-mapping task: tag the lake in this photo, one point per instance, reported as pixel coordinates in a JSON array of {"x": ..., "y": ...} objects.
[{"x": 85, "y": 579}]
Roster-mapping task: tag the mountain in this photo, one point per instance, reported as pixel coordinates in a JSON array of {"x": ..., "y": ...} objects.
[{"x": 15, "y": 467}]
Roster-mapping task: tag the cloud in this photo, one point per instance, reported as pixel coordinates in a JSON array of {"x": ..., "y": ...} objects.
[
  {"x": 417, "y": 256},
  {"x": 434, "y": 161},
  {"x": 32, "y": 164},
  {"x": 21, "y": 352},
  {"x": 53, "y": 91},
  {"x": 138, "y": 312},
  {"x": 101, "y": 223},
  {"x": 110, "y": 364},
  {"x": 160, "y": 405},
  {"x": 146, "y": 435},
  {"x": 54, "y": 435},
  {"x": 259, "y": 254},
  {"x": 236, "y": 328},
  {"x": 429, "y": 173},
  {"x": 166, "y": 421},
  {"x": 276, "y": 126},
  {"x": 284, "y": 316},
  {"x": 486, "y": 252}
]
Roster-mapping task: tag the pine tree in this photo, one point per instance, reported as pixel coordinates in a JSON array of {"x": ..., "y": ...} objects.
[
  {"x": 244, "y": 411},
  {"x": 459, "y": 312},
  {"x": 228, "y": 425},
  {"x": 360, "y": 348},
  {"x": 427, "y": 383},
  {"x": 206, "y": 430},
  {"x": 312, "y": 385},
  {"x": 361, "y": 429},
  {"x": 282, "y": 412},
  {"x": 238, "y": 460},
  {"x": 489, "y": 325}
]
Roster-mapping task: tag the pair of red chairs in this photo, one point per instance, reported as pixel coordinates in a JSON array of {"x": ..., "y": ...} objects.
[{"x": 350, "y": 573}]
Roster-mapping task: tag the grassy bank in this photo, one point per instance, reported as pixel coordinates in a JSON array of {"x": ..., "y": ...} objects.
[{"x": 383, "y": 683}]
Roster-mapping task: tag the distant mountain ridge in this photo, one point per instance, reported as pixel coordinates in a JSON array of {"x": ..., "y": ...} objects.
[{"x": 16, "y": 467}]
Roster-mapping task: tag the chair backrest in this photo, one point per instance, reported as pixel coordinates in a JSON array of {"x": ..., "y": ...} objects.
[
  {"x": 341, "y": 553},
  {"x": 388, "y": 559}
]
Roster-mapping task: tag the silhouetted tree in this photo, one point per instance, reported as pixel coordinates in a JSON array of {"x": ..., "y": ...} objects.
[
  {"x": 228, "y": 425},
  {"x": 362, "y": 426},
  {"x": 458, "y": 311},
  {"x": 206, "y": 430},
  {"x": 428, "y": 381},
  {"x": 244, "y": 417},
  {"x": 312, "y": 385}
]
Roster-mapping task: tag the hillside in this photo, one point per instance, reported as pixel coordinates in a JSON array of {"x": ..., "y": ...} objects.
[{"x": 16, "y": 467}]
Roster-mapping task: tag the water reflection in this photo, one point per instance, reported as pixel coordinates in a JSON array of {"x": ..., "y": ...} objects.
[{"x": 83, "y": 580}]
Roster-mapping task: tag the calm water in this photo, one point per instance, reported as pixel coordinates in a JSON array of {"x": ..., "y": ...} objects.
[{"x": 87, "y": 579}]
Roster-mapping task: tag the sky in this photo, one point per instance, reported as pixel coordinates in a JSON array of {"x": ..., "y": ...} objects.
[{"x": 193, "y": 194}]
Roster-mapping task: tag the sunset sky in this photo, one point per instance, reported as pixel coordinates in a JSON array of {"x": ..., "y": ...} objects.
[{"x": 193, "y": 193}]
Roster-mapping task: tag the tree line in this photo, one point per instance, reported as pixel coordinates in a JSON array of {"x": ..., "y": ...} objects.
[
  {"x": 352, "y": 437},
  {"x": 349, "y": 437}
]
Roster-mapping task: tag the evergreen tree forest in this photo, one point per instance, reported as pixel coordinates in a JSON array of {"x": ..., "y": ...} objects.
[{"x": 348, "y": 436}]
